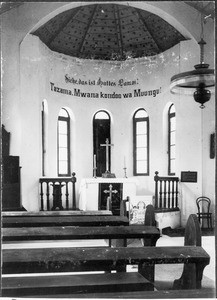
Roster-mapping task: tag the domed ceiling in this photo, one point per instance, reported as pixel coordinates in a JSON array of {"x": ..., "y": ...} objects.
[{"x": 108, "y": 32}]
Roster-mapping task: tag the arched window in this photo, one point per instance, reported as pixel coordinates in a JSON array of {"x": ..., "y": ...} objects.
[
  {"x": 63, "y": 143},
  {"x": 171, "y": 140},
  {"x": 101, "y": 132},
  {"x": 141, "y": 143}
]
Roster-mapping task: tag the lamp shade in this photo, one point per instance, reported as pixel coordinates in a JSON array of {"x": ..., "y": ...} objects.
[{"x": 187, "y": 82}]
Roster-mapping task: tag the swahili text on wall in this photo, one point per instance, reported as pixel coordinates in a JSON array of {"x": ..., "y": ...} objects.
[{"x": 77, "y": 92}]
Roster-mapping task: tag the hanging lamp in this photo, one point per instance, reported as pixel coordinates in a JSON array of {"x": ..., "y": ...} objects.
[{"x": 196, "y": 81}]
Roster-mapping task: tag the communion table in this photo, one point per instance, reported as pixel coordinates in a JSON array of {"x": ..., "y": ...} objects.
[{"x": 94, "y": 191}]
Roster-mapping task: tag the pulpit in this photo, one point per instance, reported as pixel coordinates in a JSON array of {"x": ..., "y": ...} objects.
[{"x": 95, "y": 191}]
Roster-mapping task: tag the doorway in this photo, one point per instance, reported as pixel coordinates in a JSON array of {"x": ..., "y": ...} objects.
[{"x": 101, "y": 132}]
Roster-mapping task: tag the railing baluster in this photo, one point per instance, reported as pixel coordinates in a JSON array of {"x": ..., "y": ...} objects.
[
  {"x": 165, "y": 193},
  {"x": 48, "y": 194},
  {"x": 172, "y": 194},
  {"x": 73, "y": 191},
  {"x": 168, "y": 193},
  {"x": 160, "y": 193},
  {"x": 156, "y": 189},
  {"x": 177, "y": 193},
  {"x": 67, "y": 196},
  {"x": 42, "y": 197}
]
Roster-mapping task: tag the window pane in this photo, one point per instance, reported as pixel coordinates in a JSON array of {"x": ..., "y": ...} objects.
[
  {"x": 172, "y": 138},
  {"x": 63, "y": 127},
  {"x": 172, "y": 152},
  {"x": 172, "y": 108},
  {"x": 173, "y": 124},
  {"x": 141, "y": 153},
  {"x": 62, "y": 140},
  {"x": 63, "y": 113},
  {"x": 63, "y": 167},
  {"x": 141, "y": 114},
  {"x": 172, "y": 166},
  {"x": 63, "y": 153},
  {"x": 141, "y": 141},
  {"x": 101, "y": 115},
  {"x": 141, "y": 127},
  {"x": 141, "y": 166}
]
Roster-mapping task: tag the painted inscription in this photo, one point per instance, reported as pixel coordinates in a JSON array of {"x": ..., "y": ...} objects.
[{"x": 78, "y": 92}]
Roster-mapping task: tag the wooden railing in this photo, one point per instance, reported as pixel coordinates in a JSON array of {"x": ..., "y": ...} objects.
[
  {"x": 58, "y": 193},
  {"x": 166, "y": 193}
]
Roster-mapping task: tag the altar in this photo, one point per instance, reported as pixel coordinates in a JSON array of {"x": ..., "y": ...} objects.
[{"x": 94, "y": 192}]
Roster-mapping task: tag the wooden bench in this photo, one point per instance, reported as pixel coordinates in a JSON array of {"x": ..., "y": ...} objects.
[
  {"x": 149, "y": 233},
  {"x": 77, "y": 220},
  {"x": 56, "y": 260},
  {"x": 57, "y": 213}
]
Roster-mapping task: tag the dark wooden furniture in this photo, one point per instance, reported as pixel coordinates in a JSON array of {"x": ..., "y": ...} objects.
[
  {"x": 5, "y": 142},
  {"x": 166, "y": 193},
  {"x": 94, "y": 259},
  {"x": 162, "y": 294},
  {"x": 55, "y": 260},
  {"x": 61, "y": 220},
  {"x": 148, "y": 233},
  {"x": 57, "y": 213},
  {"x": 53, "y": 187},
  {"x": 54, "y": 285},
  {"x": 114, "y": 191},
  {"x": 11, "y": 199},
  {"x": 203, "y": 206}
]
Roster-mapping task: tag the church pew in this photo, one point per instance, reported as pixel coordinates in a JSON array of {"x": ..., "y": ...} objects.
[
  {"x": 77, "y": 220},
  {"x": 79, "y": 259},
  {"x": 156, "y": 294},
  {"x": 95, "y": 259},
  {"x": 56, "y": 213},
  {"x": 149, "y": 233}
]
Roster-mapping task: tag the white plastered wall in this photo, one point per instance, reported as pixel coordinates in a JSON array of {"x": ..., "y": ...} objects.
[{"x": 28, "y": 69}]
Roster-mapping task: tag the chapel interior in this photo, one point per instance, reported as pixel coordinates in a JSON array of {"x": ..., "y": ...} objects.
[{"x": 108, "y": 110}]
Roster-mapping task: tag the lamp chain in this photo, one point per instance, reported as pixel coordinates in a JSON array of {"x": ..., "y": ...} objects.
[{"x": 202, "y": 42}]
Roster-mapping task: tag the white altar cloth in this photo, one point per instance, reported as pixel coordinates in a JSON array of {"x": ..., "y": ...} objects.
[{"x": 89, "y": 190}]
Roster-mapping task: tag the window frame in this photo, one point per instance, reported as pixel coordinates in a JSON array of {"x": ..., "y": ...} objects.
[
  {"x": 171, "y": 115},
  {"x": 135, "y": 121},
  {"x": 67, "y": 120}
]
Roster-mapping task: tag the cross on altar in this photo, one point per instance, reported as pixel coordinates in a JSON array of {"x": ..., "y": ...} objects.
[
  {"x": 110, "y": 191},
  {"x": 107, "y": 145}
]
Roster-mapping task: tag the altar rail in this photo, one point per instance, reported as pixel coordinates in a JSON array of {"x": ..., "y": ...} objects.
[
  {"x": 166, "y": 193},
  {"x": 58, "y": 193}
]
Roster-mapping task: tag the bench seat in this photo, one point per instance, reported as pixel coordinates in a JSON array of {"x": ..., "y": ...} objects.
[
  {"x": 80, "y": 284},
  {"x": 76, "y": 220},
  {"x": 75, "y": 232},
  {"x": 16, "y": 261},
  {"x": 162, "y": 294}
]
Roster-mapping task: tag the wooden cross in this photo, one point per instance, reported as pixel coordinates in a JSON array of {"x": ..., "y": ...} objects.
[{"x": 107, "y": 145}]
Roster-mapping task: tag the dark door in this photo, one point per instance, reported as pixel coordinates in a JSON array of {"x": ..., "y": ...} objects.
[{"x": 101, "y": 132}]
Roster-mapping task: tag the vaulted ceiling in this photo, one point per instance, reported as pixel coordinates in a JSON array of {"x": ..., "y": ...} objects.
[{"x": 111, "y": 31}]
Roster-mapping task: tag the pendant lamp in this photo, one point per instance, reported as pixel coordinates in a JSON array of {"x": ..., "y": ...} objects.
[{"x": 196, "y": 82}]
